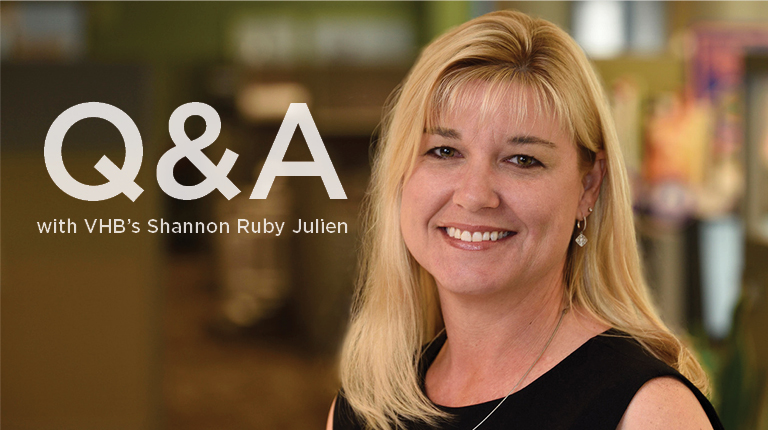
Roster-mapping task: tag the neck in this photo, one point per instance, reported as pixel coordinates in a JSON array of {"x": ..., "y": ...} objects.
[{"x": 501, "y": 331}]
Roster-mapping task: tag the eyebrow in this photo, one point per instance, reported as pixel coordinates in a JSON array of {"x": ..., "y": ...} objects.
[
  {"x": 450, "y": 133},
  {"x": 447, "y": 133},
  {"x": 531, "y": 140}
]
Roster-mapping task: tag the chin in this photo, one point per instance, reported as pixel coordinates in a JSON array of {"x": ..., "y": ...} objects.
[{"x": 471, "y": 286}]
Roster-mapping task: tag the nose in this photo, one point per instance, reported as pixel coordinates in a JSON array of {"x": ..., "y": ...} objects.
[{"x": 476, "y": 188}]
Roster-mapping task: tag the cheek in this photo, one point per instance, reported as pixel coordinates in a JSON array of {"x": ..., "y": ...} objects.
[
  {"x": 421, "y": 195},
  {"x": 412, "y": 212},
  {"x": 551, "y": 210},
  {"x": 422, "y": 198},
  {"x": 407, "y": 214}
]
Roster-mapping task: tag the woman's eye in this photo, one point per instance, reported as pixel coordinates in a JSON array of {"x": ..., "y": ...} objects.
[
  {"x": 525, "y": 161},
  {"x": 444, "y": 152}
]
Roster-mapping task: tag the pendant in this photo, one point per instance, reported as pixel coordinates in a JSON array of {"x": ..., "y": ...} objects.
[{"x": 581, "y": 240}]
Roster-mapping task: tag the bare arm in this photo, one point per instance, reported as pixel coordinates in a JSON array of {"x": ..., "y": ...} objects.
[
  {"x": 329, "y": 425},
  {"x": 664, "y": 403}
]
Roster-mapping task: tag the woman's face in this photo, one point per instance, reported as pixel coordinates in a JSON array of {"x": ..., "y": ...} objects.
[{"x": 492, "y": 203}]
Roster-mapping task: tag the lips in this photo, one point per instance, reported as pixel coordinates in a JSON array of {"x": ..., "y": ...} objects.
[{"x": 476, "y": 236}]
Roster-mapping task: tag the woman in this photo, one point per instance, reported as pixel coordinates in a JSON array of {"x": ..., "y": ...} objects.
[{"x": 500, "y": 235}]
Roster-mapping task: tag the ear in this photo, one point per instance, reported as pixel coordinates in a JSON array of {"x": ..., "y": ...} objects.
[{"x": 591, "y": 183}]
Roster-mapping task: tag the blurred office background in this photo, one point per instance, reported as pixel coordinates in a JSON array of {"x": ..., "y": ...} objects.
[{"x": 207, "y": 331}]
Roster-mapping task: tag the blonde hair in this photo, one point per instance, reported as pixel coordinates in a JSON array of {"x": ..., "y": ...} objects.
[{"x": 396, "y": 309}]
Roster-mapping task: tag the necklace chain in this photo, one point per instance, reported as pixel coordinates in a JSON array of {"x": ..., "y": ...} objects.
[{"x": 552, "y": 336}]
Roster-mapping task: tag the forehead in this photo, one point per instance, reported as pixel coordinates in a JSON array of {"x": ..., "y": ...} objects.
[{"x": 508, "y": 108}]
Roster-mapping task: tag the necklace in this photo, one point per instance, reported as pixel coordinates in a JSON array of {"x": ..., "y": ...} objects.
[
  {"x": 559, "y": 321},
  {"x": 527, "y": 371}
]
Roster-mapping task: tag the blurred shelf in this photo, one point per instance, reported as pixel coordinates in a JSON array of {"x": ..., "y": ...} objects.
[{"x": 342, "y": 100}]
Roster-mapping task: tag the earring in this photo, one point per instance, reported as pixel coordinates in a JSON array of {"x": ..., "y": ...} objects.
[{"x": 581, "y": 239}]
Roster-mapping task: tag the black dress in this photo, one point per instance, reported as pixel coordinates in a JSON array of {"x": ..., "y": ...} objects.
[{"x": 589, "y": 389}]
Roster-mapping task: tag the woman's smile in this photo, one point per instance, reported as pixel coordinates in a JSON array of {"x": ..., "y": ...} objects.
[
  {"x": 476, "y": 234},
  {"x": 474, "y": 238}
]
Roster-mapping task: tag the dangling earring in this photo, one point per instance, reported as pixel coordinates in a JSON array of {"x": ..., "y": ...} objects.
[{"x": 581, "y": 240}]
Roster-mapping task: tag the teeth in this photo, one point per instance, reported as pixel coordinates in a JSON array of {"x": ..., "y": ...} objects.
[{"x": 467, "y": 236}]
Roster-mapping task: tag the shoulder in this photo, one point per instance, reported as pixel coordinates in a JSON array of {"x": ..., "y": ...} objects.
[
  {"x": 636, "y": 390},
  {"x": 329, "y": 424},
  {"x": 664, "y": 403},
  {"x": 342, "y": 416}
]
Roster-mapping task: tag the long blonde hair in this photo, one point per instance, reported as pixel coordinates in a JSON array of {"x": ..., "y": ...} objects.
[{"x": 396, "y": 308}]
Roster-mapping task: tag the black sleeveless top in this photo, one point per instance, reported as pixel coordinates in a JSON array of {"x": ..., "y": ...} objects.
[{"x": 589, "y": 389}]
